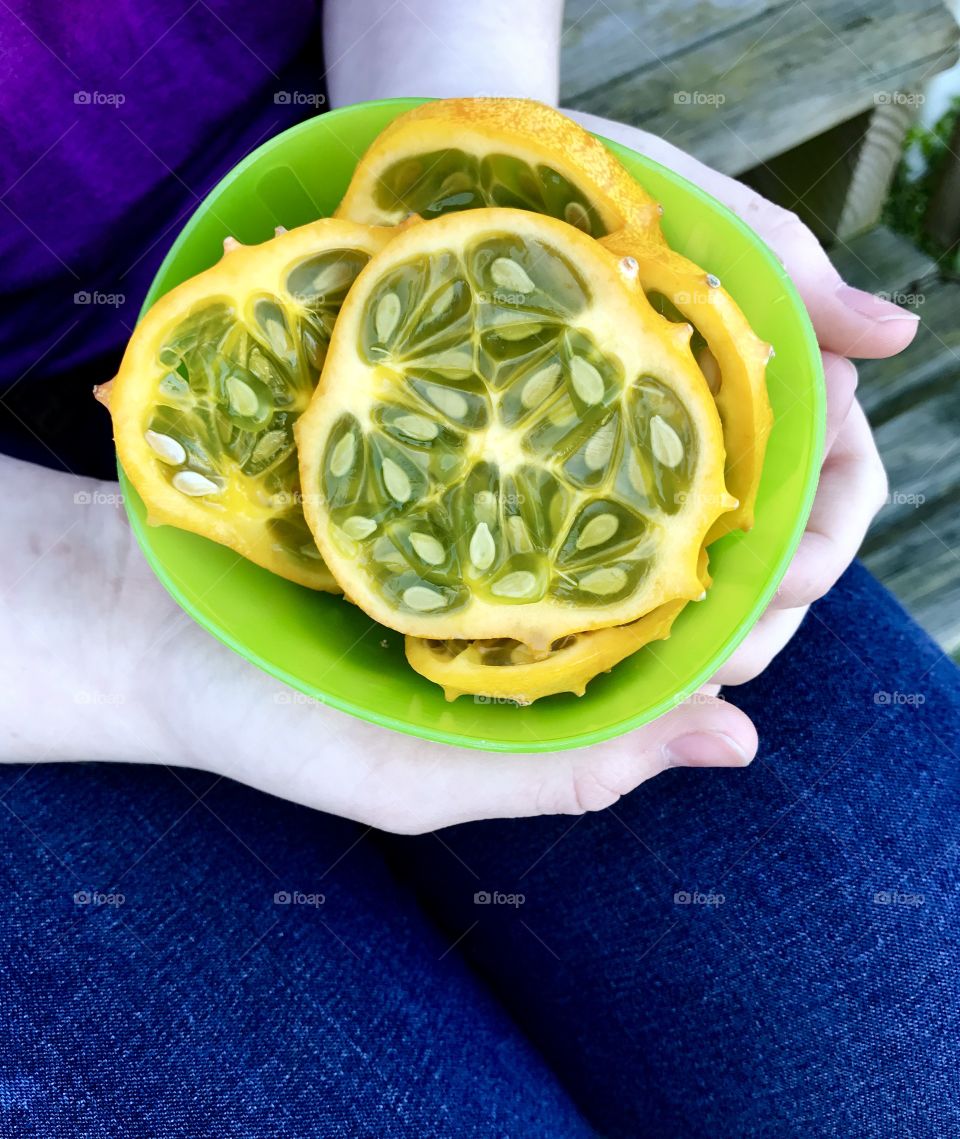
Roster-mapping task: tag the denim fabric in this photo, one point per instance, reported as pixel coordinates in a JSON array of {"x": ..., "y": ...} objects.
[{"x": 759, "y": 952}]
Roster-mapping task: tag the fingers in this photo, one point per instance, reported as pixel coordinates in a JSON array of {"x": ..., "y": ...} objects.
[
  {"x": 433, "y": 786},
  {"x": 848, "y": 321},
  {"x": 765, "y": 640},
  {"x": 840, "y": 376},
  {"x": 853, "y": 487}
]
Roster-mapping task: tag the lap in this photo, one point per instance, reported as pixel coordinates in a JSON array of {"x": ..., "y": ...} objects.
[
  {"x": 769, "y": 951},
  {"x": 184, "y": 956}
]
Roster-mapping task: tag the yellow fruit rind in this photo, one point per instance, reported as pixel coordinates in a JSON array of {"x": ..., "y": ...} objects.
[
  {"x": 461, "y": 668},
  {"x": 239, "y": 520},
  {"x": 521, "y": 128},
  {"x": 645, "y": 343},
  {"x": 741, "y": 360}
]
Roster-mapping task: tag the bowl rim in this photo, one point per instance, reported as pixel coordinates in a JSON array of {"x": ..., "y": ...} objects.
[{"x": 614, "y": 728}]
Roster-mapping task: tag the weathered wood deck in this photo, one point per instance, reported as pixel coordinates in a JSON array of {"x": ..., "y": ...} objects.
[
  {"x": 738, "y": 82},
  {"x": 913, "y": 403}
]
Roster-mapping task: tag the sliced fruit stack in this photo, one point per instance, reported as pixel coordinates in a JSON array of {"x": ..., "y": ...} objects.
[{"x": 486, "y": 401}]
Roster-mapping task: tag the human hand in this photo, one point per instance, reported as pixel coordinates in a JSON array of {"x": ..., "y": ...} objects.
[
  {"x": 848, "y": 323},
  {"x": 222, "y": 714}
]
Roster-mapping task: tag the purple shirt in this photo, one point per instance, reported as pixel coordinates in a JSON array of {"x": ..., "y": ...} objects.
[{"x": 116, "y": 117}]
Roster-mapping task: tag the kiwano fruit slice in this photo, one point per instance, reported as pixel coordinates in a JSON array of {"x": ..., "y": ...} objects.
[
  {"x": 455, "y": 154},
  {"x": 213, "y": 380},
  {"x": 507, "y": 441},
  {"x": 459, "y": 154},
  {"x": 731, "y": 356},
  {"x": 506, "y": 669}
]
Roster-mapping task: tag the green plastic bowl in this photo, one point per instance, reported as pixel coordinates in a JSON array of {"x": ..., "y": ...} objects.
[{"x": 330, "y": 650}]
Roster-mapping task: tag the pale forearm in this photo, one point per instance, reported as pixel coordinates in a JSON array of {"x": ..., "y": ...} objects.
[
  {"x": 435, "y": 48},
  {"x": 73, "y": 623}
]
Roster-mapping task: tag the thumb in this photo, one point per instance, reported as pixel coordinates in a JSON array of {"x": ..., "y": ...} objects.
[
  {"x": 455, "y": 786},
  {"x": 847, "y": 320}
]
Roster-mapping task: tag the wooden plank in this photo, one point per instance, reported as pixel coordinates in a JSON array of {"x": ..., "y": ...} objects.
[
  {"x": 921, "y": 451},
  {"x": 613, "y": 39},
  {"x": 929, "y": 368},
  {"x": 881, "y": 261},
  {"x": 914, "y": 544},
  {"x": 922, "y": 567},
  {"x": 736, "y": 84}
]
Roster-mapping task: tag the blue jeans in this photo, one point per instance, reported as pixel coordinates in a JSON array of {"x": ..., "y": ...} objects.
[{"x": 760, "y": 952}]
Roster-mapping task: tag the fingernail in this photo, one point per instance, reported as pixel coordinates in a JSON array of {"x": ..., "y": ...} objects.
[
  {"x": 704, "y": 749},
  {"x": 875, "y": 307}
]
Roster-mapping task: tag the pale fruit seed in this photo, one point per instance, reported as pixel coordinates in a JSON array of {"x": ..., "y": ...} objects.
[
  {"x": 598, "y": 450},
  {"x": 450, "y": 403},
  {"x": 396, "y": 481},
  {"x": 507, "y": 274},
  {"x": 422, "y": 599},
  {"x": 520, "y": 583},
  {"x": 387, "y": 316},
  {"x": 417, "y": 427},
  {"x": 193, "y": 484},
  {"x": 483, "y": 549},
  {"x": 359, "y": 527},
  {"x": 603, "y": 582},
  {"x": 343, "y": 455},
  {"x": 268, "y": 446},
  {"x": 587, "y": 381},
  {"x": 243, "y": 399},
  {"x": 518, "y": 534},
  {"x": 576, "y": 215},
  {"x": 165, "y": 447},
  {"x": 427, "y": 548},
  {"x": 601, "y": 528},
  {"x": 665, "y": 442},
  {"x": 539, "y": 386}
]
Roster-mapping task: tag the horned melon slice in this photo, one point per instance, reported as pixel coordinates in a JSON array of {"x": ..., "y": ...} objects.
[
  {"x": 507, "y": 441},
  {"x": 455, "y": 154},
  {"x": 506, "y": 669},
  {"x": 213, "y": 381}
]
